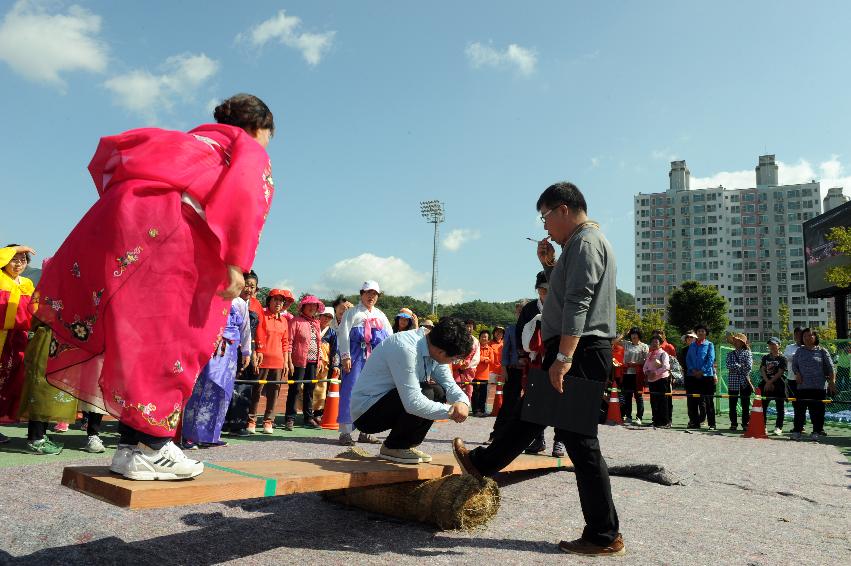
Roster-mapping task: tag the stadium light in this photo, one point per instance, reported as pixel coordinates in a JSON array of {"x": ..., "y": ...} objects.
[{"x": 434, "y": 213}]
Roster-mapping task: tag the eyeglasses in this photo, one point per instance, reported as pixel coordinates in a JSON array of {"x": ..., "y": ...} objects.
[
  {"x": 18, "y": 260},
  {"x": 547, "y": 213}
]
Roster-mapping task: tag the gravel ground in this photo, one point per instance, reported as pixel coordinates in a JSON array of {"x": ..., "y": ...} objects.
[{"x": 744, "y": 502}]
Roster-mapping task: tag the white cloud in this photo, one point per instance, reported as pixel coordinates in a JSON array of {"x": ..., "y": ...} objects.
[
  {"x": 394, "y": 275},
  {"x": 147, "y": 93},
  {"x": 523, "y": 60},
  {"x": 830, "y": 173},
  {"x": 446, "y": 296},
  {"x": 41, "y": 46},
  {"x": 458, "y": 237},
  {"x": 284, "y": 29}
]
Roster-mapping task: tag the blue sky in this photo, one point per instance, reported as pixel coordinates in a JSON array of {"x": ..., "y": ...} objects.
[{"x": 380, "y": 105}]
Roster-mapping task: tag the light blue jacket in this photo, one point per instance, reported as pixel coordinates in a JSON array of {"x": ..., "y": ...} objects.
[
  {"x": 402, "y": 362},
  {"x": 702, "y": 357}
]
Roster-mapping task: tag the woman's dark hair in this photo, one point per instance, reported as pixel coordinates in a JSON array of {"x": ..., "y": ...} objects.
[
  {"x": 339, "y": 300},
  {"x": 470, "y": 321},
  {"x": 657, "y": 338},
  {"x": 485, "y": 331},
  {"x": 245, "y": 111},
  {"x": 562, "y": 193},
  {"x": 450, "y": 335},
  {"x": 29, "y": 257},
  {"x": 811, "y": 331},
  {"x": 699, "y": 326},
  {"x": 634, "y": 330},
  {"x": 251, "y": 275},
  {"x": 396, "y": 324}
]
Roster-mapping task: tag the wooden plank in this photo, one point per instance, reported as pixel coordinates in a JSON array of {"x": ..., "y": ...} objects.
[{"x": 231, "y": 481}]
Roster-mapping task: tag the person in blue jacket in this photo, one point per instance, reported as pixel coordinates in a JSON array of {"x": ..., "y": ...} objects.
[{"x": 700, "y": 362}]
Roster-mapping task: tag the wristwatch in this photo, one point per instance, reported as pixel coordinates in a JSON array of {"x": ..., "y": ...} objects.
[{"x": 564, "y": 359}]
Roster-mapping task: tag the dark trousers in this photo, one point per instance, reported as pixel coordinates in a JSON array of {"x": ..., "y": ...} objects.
[
  {"x": 703, "y": 407},
  {"x": 743, "y": 395},
  {"x": 130, "y": 435},
  {"x": 659, "y": 401},
  {"x": 388, "y": 413},
  {"x": 511, "y": 391},
  {"x": 792, "y": 389},
  {"x": 592, "y": 360},
  {"x": 306, "y": 373},
  {"x": 480, "y": 396},
  {"x": 240, "y": 403},
  {"x": 810, "y": 400},
  {"x": 777, "y": 395},
  {"x": 36, "y": 430},
  {"x": 93, "y": 422},
  {"x": 696, "y": 409},
  {"x": 270, "y": 390},
  {"x": 630, "y": 391}
]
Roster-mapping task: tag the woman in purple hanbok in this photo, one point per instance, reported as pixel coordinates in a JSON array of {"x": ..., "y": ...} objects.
[{"x": 205, "y": 412}]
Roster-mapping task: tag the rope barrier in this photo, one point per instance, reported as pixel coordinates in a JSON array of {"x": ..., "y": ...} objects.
[
  {"x": 724, "y": 396},
  {"x": 288, "y": 382}
]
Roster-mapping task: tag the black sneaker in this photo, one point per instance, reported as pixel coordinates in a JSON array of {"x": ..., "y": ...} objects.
[
  {"x": 3, "y": 438},
  {"x": 240, "y": 432},
  {"x": 537, "y": 447}
]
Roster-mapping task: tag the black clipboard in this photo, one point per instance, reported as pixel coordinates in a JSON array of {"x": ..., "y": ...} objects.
[{"x": 576, "y": 410}]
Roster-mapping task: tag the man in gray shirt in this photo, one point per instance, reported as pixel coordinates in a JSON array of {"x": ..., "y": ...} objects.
[{"x": 577, "y": 326}]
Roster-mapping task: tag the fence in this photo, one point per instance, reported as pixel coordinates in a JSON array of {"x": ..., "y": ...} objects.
[{"x": 838, "y": 411}]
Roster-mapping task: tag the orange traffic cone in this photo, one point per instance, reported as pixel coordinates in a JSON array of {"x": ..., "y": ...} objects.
[
  {"x": 332, "y": 404},
  {"x": 497, "y": 399},
  {"x": 613, "y": 417},
  {"x": 756, "y": 424}
]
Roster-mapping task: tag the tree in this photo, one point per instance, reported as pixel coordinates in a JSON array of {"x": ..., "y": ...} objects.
[
  {"x": 784, "y": 333},
  {"x": 841, "y": 238},
  {"x": 625, "y": 300},
  {"x": 653, "y": 319},
  {"x": 626, "y": 319},
  {"x": 693, "y": 303}
]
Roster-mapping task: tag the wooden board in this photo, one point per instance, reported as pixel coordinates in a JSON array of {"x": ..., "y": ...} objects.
[{"x": 230, "y": 481}]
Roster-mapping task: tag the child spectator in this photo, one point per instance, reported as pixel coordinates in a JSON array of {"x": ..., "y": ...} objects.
[
  {"x": 739, "y": 386},
  {"x": 405, "y": 320},
  {"x": 305, "y": 344},
  {"x": 772, "y": 368},
  {"x": 273, "y": 358}
]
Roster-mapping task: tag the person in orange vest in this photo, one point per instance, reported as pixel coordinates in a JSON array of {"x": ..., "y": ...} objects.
[
  {"x": 273, "y": 358},
  {"x": 497, "y": 336},
  {"x": 482, "y": 374}
]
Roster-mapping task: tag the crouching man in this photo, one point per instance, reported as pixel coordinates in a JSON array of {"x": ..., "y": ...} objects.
[{"x": 407, "y": 384}]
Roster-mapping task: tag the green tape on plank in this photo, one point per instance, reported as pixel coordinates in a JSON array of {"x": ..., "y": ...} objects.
[{"x": 271, "y": 483}]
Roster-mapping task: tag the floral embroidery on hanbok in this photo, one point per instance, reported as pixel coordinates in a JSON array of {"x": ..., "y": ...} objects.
[
  {"x": 96, "y": 296},
  {"x": 177, "y": 368},
  {"x": 153, "y": 232},
  {"x": 75, "y": 270},
  {"x": 124, "y": 261},
  {"x": 147, "y": 410}
]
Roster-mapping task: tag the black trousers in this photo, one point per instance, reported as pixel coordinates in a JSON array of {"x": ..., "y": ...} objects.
[
  {"x": 93, "y": 422},
  {"x": 511, "y": 391},
  {"x": 130, "y": 435},
  {"x": 36, "y": 430},
  {"x": 240, "y": 404},
  {"x": 792, "y": 388},
  {"x": 703, "y": 407},
  {"x": 659, "y": 401},
  {"x": 388, "y": 413},
  {"x": 307, "y": 372},
  {"x": 743, "y": 395},
  {"x": 480, "y": 396},
  {"x": 810, "y": 400},
  {"x": 592, "y": 360},
  {"x": 777, "y": 395},
  {"x": 630, "y": 391}
]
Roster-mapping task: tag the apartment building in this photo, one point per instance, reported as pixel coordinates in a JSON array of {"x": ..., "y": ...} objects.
[{"x": 746, "y": 242}]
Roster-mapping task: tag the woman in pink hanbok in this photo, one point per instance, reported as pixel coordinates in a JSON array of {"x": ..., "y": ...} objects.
[{"x": 139, "y": 293}]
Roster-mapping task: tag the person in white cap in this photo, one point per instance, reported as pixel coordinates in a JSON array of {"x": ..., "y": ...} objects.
[{"x": 362, "y": 329}]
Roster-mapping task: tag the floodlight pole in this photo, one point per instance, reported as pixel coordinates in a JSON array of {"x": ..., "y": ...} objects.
[{"x": 433, "y": 212}]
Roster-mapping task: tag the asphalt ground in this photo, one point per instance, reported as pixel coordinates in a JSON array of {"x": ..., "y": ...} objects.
[{"x": 744, "y": 501}]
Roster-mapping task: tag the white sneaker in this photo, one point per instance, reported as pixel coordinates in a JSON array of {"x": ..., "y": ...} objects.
[
  {"x": 121, "y": 458},
  {"x": 167, "y": 463},
  {"x": 424, "y": 458},
  {"x": 94, "y": 445},
  {"x": 399, "y": 455},
  {"x": 637, "y": 422},
  {"x": 778, "y": 432}
]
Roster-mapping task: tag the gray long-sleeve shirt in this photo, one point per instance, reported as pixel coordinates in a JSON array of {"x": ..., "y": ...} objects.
[{"x": 582, "y": 297}]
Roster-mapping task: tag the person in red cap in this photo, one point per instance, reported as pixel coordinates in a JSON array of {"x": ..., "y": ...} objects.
[
  {"x": 273, "y": 357},
  {"x": 305, "y": 346}
]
